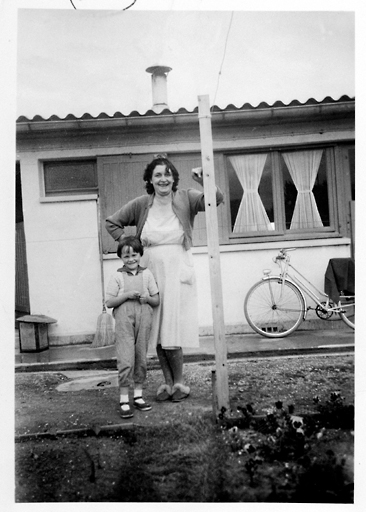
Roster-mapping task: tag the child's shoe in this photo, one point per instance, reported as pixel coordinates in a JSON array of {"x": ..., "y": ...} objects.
[
  {"x": 141, "y": 405},
  {"x": 125, "y": 411}
]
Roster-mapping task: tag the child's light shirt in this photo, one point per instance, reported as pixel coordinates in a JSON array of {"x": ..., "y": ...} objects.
[{"x": 116, "y": 285}]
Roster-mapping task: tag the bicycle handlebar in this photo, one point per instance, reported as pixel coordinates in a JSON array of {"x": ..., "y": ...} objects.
[
  {"x": 283, "y": 251},
  {"x": 283, "y": 254}
]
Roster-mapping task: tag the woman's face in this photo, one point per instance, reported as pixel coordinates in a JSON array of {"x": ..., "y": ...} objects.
[{"x": 162, "y": 180}]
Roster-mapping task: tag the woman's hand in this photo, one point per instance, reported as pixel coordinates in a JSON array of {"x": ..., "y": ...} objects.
[{"x": 197, "y": 175}]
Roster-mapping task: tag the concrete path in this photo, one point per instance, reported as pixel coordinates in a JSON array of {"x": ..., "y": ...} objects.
[{"x": 80, "y": 357}]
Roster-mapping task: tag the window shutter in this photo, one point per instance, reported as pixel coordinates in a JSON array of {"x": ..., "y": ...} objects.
[{"x": 120, "y": 180}]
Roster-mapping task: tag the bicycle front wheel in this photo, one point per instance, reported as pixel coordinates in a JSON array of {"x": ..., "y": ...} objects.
[
  {"x": 347, "y": 303},
  {"x": 274, "y": 309}
]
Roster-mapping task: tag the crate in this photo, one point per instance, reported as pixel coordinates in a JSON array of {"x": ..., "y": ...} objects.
[{"x": 33, "y": 332}]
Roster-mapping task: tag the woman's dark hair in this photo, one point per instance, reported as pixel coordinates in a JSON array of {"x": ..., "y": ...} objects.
[
  {"x": 159, "y": 160},
  {"x": 130, "y": 241}
]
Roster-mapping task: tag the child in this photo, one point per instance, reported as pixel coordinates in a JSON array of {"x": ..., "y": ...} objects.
[{"x": 132, "y": 292}]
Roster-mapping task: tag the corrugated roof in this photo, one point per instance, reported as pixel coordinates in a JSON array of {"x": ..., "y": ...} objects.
[{"x": 215, "y": 108}]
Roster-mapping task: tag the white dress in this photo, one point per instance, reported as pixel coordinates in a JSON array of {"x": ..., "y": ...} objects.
[{"x": 175, "y": 320}]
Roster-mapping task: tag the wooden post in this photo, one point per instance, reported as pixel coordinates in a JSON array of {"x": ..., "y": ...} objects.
[
  {"x": 222, "y": 384},
  {"x": 215, "y": 412}
]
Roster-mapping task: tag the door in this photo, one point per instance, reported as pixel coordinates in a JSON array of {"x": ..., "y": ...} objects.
[{"x": 22, "y": 305}]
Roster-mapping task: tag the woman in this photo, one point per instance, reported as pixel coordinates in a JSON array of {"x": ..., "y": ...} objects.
[{"x": 164, "y": 221}]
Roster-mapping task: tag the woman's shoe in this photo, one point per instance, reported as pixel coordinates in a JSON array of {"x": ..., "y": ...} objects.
[
  {"x": 180, "y": 392},
  {"x": 163, "y": 393}
]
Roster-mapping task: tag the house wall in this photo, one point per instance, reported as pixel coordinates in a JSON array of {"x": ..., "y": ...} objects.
[
  {"x": 63, "y": 261},
  {"x": 64, "y": 266},
  {"x": 62, "y": 235},
  {"x": 242, "y": 266}
]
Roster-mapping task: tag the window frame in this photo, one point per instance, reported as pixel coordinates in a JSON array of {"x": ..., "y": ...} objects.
[
  {"x": 274, "y": 152},
  {"x": 72, "y": 193}
]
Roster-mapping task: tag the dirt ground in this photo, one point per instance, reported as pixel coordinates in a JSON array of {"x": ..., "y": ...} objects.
[
  {"x": 43, "y": 405},
  {"x": 40, "y": 407}
]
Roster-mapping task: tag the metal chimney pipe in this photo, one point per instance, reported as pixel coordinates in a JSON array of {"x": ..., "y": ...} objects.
[{"x": 159, "y": 87}]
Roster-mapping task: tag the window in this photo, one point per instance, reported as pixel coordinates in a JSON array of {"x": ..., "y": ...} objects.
[
  {"x": 70, "y": 177},
  {"x": 251, "y": 193},
  {"x": 280, "y": 192},
  {"x": 305, "y": 189}
]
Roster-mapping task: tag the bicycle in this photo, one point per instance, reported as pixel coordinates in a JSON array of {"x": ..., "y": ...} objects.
[{"x": 276, "y": 306}]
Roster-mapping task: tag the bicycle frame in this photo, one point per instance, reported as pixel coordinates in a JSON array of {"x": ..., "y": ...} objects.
[
  {"x": 275, "y": 306},
  {"x": 284, "y": 263}
]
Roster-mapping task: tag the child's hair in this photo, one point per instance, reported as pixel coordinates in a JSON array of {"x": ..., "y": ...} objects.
[{"x": 130, "y": 241}]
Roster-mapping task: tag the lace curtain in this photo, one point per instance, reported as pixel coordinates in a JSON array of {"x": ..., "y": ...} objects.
[
  {"x": 303, "y": 167},
  {"x": 251, "y": 215}
]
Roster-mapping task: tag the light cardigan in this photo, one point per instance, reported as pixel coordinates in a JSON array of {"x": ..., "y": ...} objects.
[{"x": 185, "y": 203}]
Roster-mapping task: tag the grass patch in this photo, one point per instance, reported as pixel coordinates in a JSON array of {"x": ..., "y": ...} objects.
[{"x": 278, "y": 457}]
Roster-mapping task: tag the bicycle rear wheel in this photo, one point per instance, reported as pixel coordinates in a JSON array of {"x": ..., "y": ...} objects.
[
  {"x": 273, "y": 310},
  {"x": 347, "y": 304}
]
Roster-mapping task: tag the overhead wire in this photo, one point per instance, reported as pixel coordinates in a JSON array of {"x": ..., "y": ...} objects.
[
  {"x": 133, "y": 3},
  {"x": 124, "y": 9},
  {"x": 223, "y": 58}
]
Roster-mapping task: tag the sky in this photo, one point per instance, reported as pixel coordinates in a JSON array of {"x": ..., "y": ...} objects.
[{"x": 73, "y": 61}]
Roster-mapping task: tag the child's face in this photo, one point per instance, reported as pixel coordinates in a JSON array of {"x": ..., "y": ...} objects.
[{"x": 130, "y": 258}]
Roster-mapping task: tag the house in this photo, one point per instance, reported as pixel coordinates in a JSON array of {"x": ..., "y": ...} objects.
[{"x": 287, "y": 172}]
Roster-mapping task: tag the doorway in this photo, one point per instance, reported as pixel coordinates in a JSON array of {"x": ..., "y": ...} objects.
[{"x": 22, "y": 305}]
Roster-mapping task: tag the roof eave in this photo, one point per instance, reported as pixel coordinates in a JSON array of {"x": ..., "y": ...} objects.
[{"x": 300, "y": 112}]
